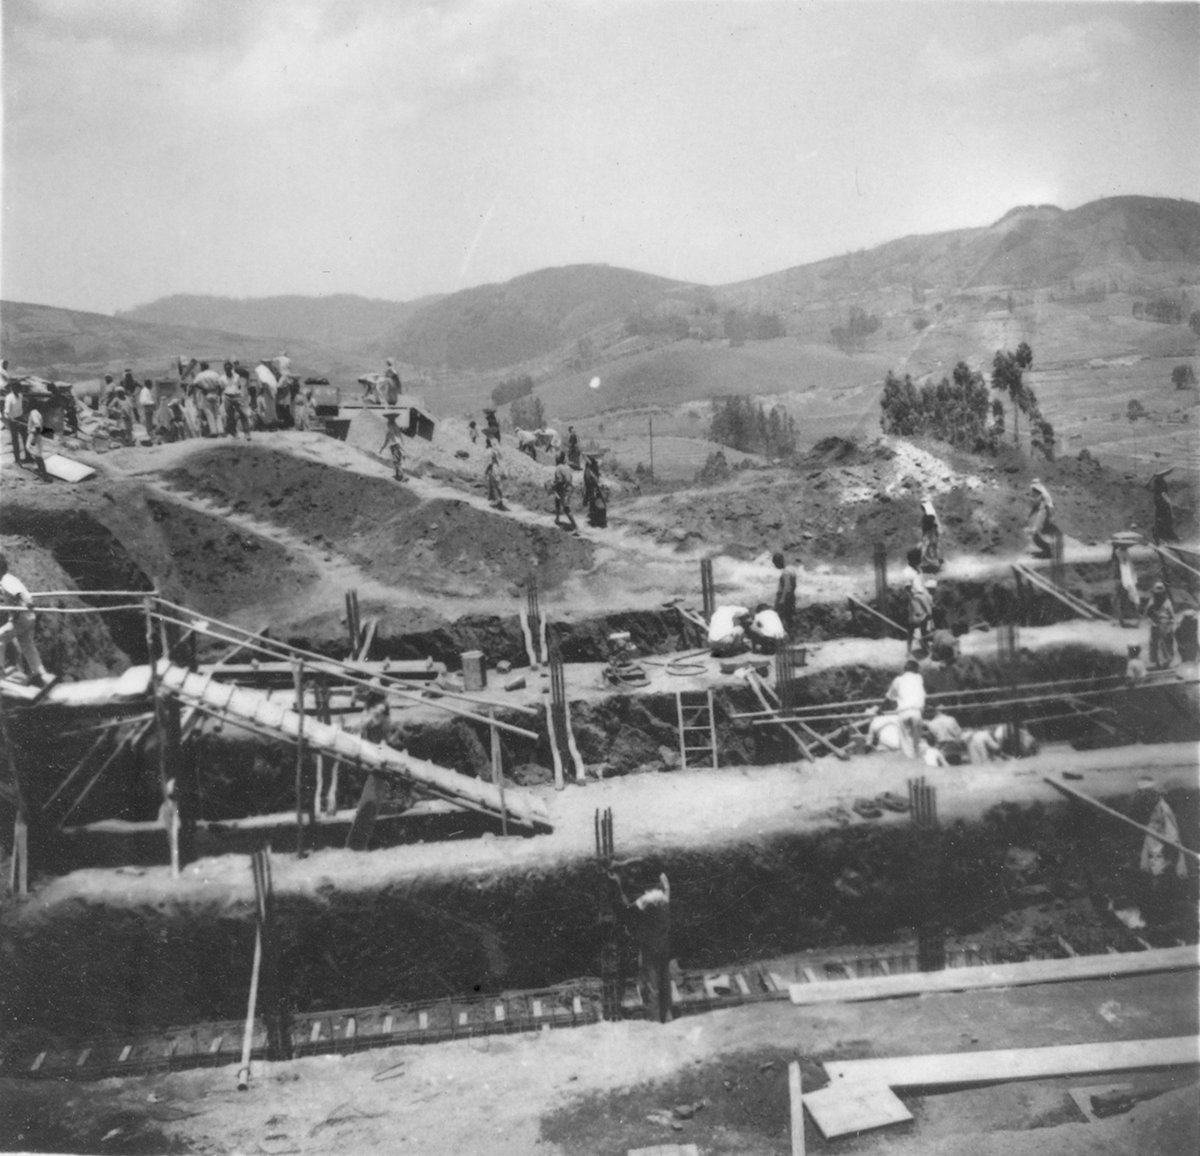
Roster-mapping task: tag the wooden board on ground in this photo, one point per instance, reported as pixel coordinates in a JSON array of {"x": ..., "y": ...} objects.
[
  {"x": 67, "y": 469},
  {"x": 961, "y": 1068},
  {"x": 841, "y": 1109},
  {"x": 1083, "y": 1096},
  {"x": 999, "y": 975},
  {"x": 666, "y": 1150}
]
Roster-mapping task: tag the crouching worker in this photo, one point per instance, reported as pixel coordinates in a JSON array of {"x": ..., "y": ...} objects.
[
  {"x": 16, "y": 605},
  {"x": 727, "y": 631},
  {"x": 767, "y": 631},
  {"x": 648, "y": 918}
]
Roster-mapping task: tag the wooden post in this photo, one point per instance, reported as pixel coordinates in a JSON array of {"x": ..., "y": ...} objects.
[
  {"x": 879, "y": 556},
  {"x": 169, "y": 813},
  {"x": 186, "y": 795},
  {"x": 352, "y": 624},
  {"x": 707, "y": 592},
  {"x": 298, "y": 680},
  {"x": 243, "y": 1076},
  {"x": 651, "y": 422},
  {"x": 498, "y": 773},
  {"x": 18, "y": 879}
]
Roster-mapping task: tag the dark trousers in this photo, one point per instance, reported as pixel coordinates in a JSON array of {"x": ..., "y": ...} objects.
[
  {"x": 18, "y": 449},
  {"x": 654, "y": 975}
]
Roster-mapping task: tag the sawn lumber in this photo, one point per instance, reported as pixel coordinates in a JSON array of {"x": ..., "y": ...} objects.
[
  {"x": 999, "y": 975},
  {"x": 958, "y": 1068}
]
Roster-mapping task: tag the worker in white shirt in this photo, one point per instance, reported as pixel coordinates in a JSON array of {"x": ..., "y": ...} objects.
[
  {"x": 727, "y": 630},
  {"x": 907, "y": 691},
  {"x": 14, "y": 419},
  {"x": 767, "y": 631},
  {"x": 17, "y": 605}
]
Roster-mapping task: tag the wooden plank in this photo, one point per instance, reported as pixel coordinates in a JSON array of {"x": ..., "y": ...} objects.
[
  {"x": 67, "y": 469},
  {"x": 959, "y": 1068},
  {"x": 796, "y": 1105},
  {"x": 858, "y": 1106},
  {"x": 665, "y": 1150},
  {"x": 1000, "y": 975},
  {"x": 742, "y": 985}
]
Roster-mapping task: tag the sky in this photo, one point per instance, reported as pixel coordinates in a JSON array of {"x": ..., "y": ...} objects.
[{"x": 393, "y": 149}]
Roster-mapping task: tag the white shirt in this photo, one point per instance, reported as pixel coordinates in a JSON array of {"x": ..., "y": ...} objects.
[
  {"x": 723, "y": 624},
  {"x": 13, "y": 592},
  {"x": 14, "y": 406},
  {"x": 145, "y": 397},
  {"x": 768, "y": 624},
  {"x": 908, "y": 691}
]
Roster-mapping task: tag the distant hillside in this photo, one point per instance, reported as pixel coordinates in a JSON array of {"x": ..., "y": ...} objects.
[
  {"x": 71, "y": 345},
  {"x": 1128, "y": 243},
  {"x": 343, "y": 321},
  {"x": 494, "y": 326}
]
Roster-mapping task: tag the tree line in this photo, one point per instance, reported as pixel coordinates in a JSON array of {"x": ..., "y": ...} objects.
[
  {"x": 742, "y": 424},
  {"x": 963, "y": 411}
]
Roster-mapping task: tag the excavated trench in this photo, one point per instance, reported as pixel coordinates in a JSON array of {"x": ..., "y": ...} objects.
[{"x": 1014, "y": 877}]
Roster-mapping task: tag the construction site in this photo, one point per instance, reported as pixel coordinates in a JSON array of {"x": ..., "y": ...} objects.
[{"x": 321, "y": 832}]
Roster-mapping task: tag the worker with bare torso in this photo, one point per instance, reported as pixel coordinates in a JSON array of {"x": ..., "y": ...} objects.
[{"x": 649, "y": 921}]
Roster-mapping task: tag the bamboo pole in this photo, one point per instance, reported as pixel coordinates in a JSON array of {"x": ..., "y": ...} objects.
[
  {"x": 243, "y": 1076},
  {"x": 298, "y": 679},
  {"x": 1081, "y": 797},
  {"x": 18, "y": 880},
  {"x": 498, "y": 779}
]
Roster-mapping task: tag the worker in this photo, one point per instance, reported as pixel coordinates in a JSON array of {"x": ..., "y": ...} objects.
[
  {"x": 107, "y": 387},
  {"x": 391, "y": 383},
  {"x": 527, "y": 442},
  {"x": 562, "y": 485},
  {"x": 907, "y": 691},
  {"x": 120, "y": 416},
  {"x": 785, "y": 593},
  {"x": 1040, "y": 525},
  {"x": 573, "y": 448},
  {"x": 268, "y": 388},
  {"x": 931, "y": 534},
  {"x": 1164, "y": 510},
  {"x": 766, "y": 632},
  {"x": 1161, "y": 613},
  {"x": 594, "y": 494},
  {"x": 14, "y": 420},
  {"x": 20, "y": 621},
  {"x": 1185, "y": 638},
  {"x": 145, "y": 401},
  {"x": 931, "y": 754},
  {"x": 944, "y": 646},
  {"x": 35, "y": 429},
  {"x": 492, "y": 474},
  {"x": 650, "y": 918},
  {"x": 943, "y": 730},
  {"x": 1135, "y": 668},
  {"x": 983, "y": 746},
  {"x": 391, "y": 439},
  {"x": 235, "y": 402},
  {"x": 208, "y": 385},
  {"x": 302, "y": 408},
  {"x": 920, "y": 603},
  {"x": 128, "y": 384},
  {"x": 1125, "y": 596},
  {"x": 492, "y": 426},
  {"x": 66, "y": 399},
  {"x": 727, "y": 630},
  {"x": 374, "y": 725},
  {"x": 473, "y": 432},
  {"x": 883, "y": 732}
]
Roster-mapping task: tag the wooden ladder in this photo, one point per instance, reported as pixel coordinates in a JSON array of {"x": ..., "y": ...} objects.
[{"x": 697, "y": 731}]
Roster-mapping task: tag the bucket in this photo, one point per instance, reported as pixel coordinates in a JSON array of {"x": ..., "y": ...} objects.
[{"x": 474, "y": 671}]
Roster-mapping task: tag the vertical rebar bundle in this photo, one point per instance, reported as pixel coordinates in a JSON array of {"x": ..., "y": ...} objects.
[
  {"x": 558, "y": 695},
  {"x": 707, "y": 590},
  {"x": 610, "y": 960},
  {"x": 1008, "y": 653},
  {"x": 931, "y": 936},
  {"x": 785, "y": 677},
  {"x": 533, "y": 611}
]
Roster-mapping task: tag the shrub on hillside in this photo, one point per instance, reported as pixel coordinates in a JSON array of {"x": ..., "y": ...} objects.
[
  {"x": 859, "y": 326},
  {"x": 956, "y": 410},
  {"x": 1183, "y": 377},
  {"x": 528, "y": 413},
  {"x": 1161, "y": 309},
  {"x": 511, "y": 389}
]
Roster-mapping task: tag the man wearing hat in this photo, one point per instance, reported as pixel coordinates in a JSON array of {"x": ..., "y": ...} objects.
[
  {"x": 391, "y": 439},
  {"x": 1162, "y": 628},
  {"x": 1041, "y": 513}
]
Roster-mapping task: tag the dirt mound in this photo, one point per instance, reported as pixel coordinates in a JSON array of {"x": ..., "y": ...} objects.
[
  {"x": 843, "y": 497},
  {"x": 444, "y": 546},
  {"x": 75, "y": 645}
]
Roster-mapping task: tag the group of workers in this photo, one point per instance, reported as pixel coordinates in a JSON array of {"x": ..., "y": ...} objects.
[
  {"x": 24, "y": 407},
  {"x": 567, "y": 462}
]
